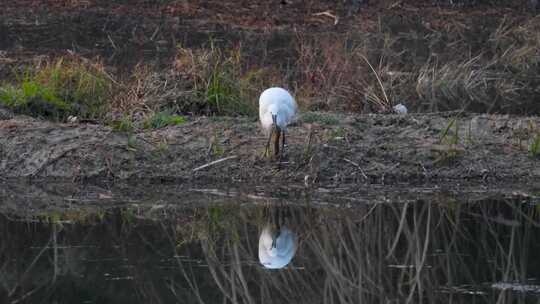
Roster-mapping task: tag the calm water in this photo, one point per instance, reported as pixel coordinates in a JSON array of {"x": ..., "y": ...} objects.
[{"x": 418, "y": 252}]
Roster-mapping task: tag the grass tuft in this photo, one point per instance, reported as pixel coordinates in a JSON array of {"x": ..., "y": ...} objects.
[
  {"x": 449, "y": 147},
  {"x": 125, "y": 124},
  {"x": 218, "y": 81},
  {"x": 163, "y": 119},
  {"x": 328, "y": 119},
  {"x": 534, "y": 147},
  {"x": 59, "y": 88}
]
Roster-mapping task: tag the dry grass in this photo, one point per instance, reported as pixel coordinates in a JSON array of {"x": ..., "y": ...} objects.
[
  {"x": 129, "y": 98},
  {"x": 220, "y": 81},
  {"x": 497, "y": 74},
  {"x": 458, "y": 65},
  {"x": 207, "y": 80}
]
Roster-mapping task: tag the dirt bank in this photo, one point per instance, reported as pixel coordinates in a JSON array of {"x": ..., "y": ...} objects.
[{"x": 358, "y": 149}]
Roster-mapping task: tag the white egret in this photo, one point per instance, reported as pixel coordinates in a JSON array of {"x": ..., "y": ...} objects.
[
  {"x": 276, "y": 247},
  {"x": 277, "y": 109}
]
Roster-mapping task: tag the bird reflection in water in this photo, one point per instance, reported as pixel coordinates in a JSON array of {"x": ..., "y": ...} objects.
[{"x": 277, "y": 243}]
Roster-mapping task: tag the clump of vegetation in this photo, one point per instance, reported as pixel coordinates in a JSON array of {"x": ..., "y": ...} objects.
[
  {"x": 155, "y": 120},
  {"x": 131, "y": 143},
  {"x": 328, "y": 119},
  {"x": 219, "y": 81},
  {"x": 215, "y": 148},
  {"x": 124, "y": 124},
  {"x": 534, "y": 147},
  {"x": 487, "y": 66},
  {"x": 491, "y": 67},
  {"x": 162, "y": 119},
  {"x": 35, "y": 99},
  {"x": 59, "y": 88},
  {"x": 208, "y": 80},
  {"x": 449, "y": 147}
]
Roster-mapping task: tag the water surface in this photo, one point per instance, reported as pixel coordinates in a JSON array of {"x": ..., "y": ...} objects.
[{"x": 418, "y": 251}]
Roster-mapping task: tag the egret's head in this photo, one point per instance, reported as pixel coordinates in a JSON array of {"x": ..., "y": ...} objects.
[
  {"x": 273, "y": 252},
  {"x": 274, "y": 239}
]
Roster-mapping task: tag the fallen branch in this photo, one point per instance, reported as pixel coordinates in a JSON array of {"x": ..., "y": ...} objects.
[
  {"x": 328, "y": 14},
  {"x": 357, "y": 166},
  {"x": 214, "y": 163}
]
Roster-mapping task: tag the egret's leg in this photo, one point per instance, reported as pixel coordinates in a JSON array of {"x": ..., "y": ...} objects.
[
  {"x": 283, "y": 143},
  {"x": 276, "y": 142}
]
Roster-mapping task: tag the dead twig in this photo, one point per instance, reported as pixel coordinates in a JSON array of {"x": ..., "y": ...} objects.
[
  {"x": 112, "y": 42},
  {"x": 357, "y": 166},
  {"x": 328, "y": 14},
  {"x": 214, "y": 162}
]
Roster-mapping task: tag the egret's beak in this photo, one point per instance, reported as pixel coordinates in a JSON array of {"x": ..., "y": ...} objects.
[
  {"x": 277, "y": 131},
  {"x": 274, "y": 129},
  {"x": 274, "y": 239}
]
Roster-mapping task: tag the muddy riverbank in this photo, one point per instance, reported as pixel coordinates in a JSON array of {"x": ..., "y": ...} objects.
[{"x": 323, "y": 149}]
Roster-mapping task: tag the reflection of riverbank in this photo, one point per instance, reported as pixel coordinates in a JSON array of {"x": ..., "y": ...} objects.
[
  {"x": 375, "y": 253},
  {"x": 27, "y": 198}
]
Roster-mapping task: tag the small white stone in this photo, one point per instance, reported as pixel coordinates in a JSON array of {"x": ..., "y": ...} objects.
[
  {"x": 72, "y": 119},
  {"x": 400, "y": 109}
]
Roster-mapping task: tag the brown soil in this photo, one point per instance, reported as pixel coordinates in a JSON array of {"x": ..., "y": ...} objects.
[
  {"x": 126, "y": 32},
  {"x": 344, "y": 149}
]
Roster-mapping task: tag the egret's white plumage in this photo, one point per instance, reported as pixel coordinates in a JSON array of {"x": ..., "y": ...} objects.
[
  {"x": 400, "y": 109},
  {"x": 276, "y": 101},
  {"x": 277, "y": 109},
  {"x": 276, "y": 247}
]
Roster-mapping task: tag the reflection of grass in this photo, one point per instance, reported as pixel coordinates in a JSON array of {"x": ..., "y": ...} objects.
[
  {"x": 72, "y": 217},
  {"x": 380, "y": 253},
  {"x": 420, "y": 247}
]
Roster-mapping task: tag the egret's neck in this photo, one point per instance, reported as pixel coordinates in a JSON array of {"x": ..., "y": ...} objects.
[
  {"x": 274, "y": 113},
  {"x": 273, "y": 109}
]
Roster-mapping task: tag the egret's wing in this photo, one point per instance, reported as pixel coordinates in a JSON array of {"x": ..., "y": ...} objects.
[{"x": 292, "y": 111}]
